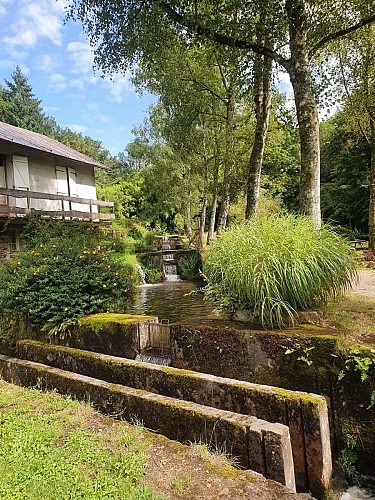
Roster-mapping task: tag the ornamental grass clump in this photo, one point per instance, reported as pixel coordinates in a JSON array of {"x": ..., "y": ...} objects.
[{"x": 275, "y": 266}]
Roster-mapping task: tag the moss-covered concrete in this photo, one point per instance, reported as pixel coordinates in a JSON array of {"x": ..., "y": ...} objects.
[
  {"x": 305, "y": 414},
  {"x": 308, "y": 358},
  {"x": 258, "y": 445},
  {"x": 109, "y": 333}
]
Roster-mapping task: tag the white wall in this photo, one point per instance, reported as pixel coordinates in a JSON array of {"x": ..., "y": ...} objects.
[{"x": 43, "y": 179}]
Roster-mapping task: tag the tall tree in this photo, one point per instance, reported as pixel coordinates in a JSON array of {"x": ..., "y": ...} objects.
[
  {"x": 21, "y": 108},
  {"x": 357, "y": 74},
  {"x": 128, "y": 31},
  {"x": 262, "y": 91}
]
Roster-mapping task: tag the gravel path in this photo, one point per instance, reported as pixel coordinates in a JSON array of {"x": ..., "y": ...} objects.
[{"x": 366, "y": 283}]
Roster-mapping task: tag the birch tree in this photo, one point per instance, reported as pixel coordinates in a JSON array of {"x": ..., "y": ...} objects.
[{"x": 123, "y": 33}]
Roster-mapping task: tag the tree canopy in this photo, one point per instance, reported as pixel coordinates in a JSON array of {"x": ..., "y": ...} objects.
[{"x": 128, "y": 33}]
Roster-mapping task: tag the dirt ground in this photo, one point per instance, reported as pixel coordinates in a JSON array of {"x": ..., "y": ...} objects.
[
  {"x": 366, "y": 283},
  {"x": 181, "y": 472}
]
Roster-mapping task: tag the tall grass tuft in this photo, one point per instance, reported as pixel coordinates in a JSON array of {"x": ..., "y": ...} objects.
[{"x": 277, "y": 265}]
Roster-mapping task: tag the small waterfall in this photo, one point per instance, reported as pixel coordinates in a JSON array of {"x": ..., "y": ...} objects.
[
  {"x": 170, "y": 272},
  {"x": 154, "y": 358},
  {"x": 168, "y": 262},
  {"x": 355, "y": 493},
  {"x": 141, "y": 274}
]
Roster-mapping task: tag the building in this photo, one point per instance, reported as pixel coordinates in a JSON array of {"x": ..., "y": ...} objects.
[{"x": 41, "y": 176}]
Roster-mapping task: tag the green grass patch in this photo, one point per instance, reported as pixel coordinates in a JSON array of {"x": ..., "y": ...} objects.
[
  {"x": 356, "y": 313},
  {"x": 124, "y": 258},
  {"x": 53, "y": 447}
]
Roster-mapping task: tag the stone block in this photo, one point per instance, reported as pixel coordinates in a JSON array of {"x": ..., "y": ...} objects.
[{"x": 252, "y": 441}]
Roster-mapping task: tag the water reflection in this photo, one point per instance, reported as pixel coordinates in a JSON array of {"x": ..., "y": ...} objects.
[{"x": 169, "y": 301}]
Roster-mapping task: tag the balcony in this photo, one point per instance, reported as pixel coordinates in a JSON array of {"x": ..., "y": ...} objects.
[{"x": 10, "y": 198}]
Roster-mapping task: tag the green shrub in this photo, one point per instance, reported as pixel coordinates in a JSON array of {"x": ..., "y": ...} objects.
[
  {"x": 152, "y": 270},
  {"x": 189, "y": 266},
  {"x": 60, "y": 276},
  {"x": 275, "y": 266}
]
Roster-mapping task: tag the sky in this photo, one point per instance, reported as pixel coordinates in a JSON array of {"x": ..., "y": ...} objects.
[
  {"x": 58, "y": 62},
  {"x": 57, "y": 59}
]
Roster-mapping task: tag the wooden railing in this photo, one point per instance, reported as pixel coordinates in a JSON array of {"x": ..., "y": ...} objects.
[{"x": 35, "y": 195}]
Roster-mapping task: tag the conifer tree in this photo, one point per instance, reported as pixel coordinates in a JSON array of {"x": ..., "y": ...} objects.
[{"x": 20, "y": 107}]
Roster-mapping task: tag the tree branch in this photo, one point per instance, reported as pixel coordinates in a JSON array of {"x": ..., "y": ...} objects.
[
  {"x": 221, "y": 39},
  {"x": 342, "y": 33}
]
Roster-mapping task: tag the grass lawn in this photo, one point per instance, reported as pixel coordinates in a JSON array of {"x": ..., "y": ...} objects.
[
  {"x": 55, "y": 448},
  {"x": 356, "y": 313}
]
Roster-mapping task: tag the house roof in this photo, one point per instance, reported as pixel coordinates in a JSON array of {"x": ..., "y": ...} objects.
[{"x": 42, "y": 143}]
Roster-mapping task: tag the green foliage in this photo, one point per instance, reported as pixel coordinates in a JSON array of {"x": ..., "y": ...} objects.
[
  {"x": 345, "y": 161},
  {"x": 302, "y": 352},
  {"x": 145, "y": 243},
  {"x": 350, "y": 434},
  {"x": 60, "y": 276},
  {"x": 189, "y": 266},
  {"x": 152, "y": 270},
  {"x": 275, "y": 266},
  {"x": 358, "y": 362}
]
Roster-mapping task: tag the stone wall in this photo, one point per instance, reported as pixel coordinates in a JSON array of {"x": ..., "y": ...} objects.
[
  {"x": 258, "y": 445},
  {"x": 305, "y": 414},
  {"x": 116, "y": 334},
  {"x": 306, "y": 358}
]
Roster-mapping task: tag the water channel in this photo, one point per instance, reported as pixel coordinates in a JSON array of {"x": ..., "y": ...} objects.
[{"x": 172, "y": 301}]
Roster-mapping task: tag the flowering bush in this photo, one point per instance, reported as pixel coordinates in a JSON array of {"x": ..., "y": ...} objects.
[{"x": 60, "y": 276}]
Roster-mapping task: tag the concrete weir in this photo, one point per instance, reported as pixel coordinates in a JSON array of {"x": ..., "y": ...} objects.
[
  {"x": 306, "y": 415},
  {"x": 258, "y": 445}
]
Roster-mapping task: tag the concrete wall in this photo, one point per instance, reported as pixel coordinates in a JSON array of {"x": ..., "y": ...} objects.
[
  {"x": 116, "y": 334},
  {"x": 312, "y": 364},
  {"x": 259, "y": 445},
  {"x": 305, "y": 414}
]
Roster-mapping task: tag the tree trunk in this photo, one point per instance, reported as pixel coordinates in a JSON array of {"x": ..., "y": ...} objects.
[
  {"x": 262, "y": 98},
  {"x": 211, "y": 229},
  {"x": 204, "y": 205},
  {"x": 229, "y": 157},
  {"x": 371, "y": 212},
  {"x": 307, "y": 114},
  {"x": 202, "y": 223},
  {"x": 187, "y": 225}
]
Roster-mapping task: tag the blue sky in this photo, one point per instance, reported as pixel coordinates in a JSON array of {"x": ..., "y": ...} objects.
[{"x": 58, "y": 63}]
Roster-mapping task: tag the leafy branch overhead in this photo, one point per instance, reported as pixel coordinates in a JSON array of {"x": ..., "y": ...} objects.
[{"x": 130, "y": 33}]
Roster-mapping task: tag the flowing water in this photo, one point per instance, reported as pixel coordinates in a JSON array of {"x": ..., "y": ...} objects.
[
  {"x": 169, "y": 301},
  {"x": 174, "y": 301},
  {"x": 355, "y": 493}
]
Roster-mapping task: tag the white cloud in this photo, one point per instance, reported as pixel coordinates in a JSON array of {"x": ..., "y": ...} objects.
[
  {"x": 82, "y": 57},
  {"x": 94, "y": 108},
  {"x": 34, "y": 21},
  {"x": 51, "y": 109},
  {"x": 77, "y": 128},
  {"x": 119, "y": 86},
  {"x": 3, "y": 10},
  {"x": 6, "y": 64},
  {"x": 57, "y": 82},
  {"x": 47, "y": 63}
]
